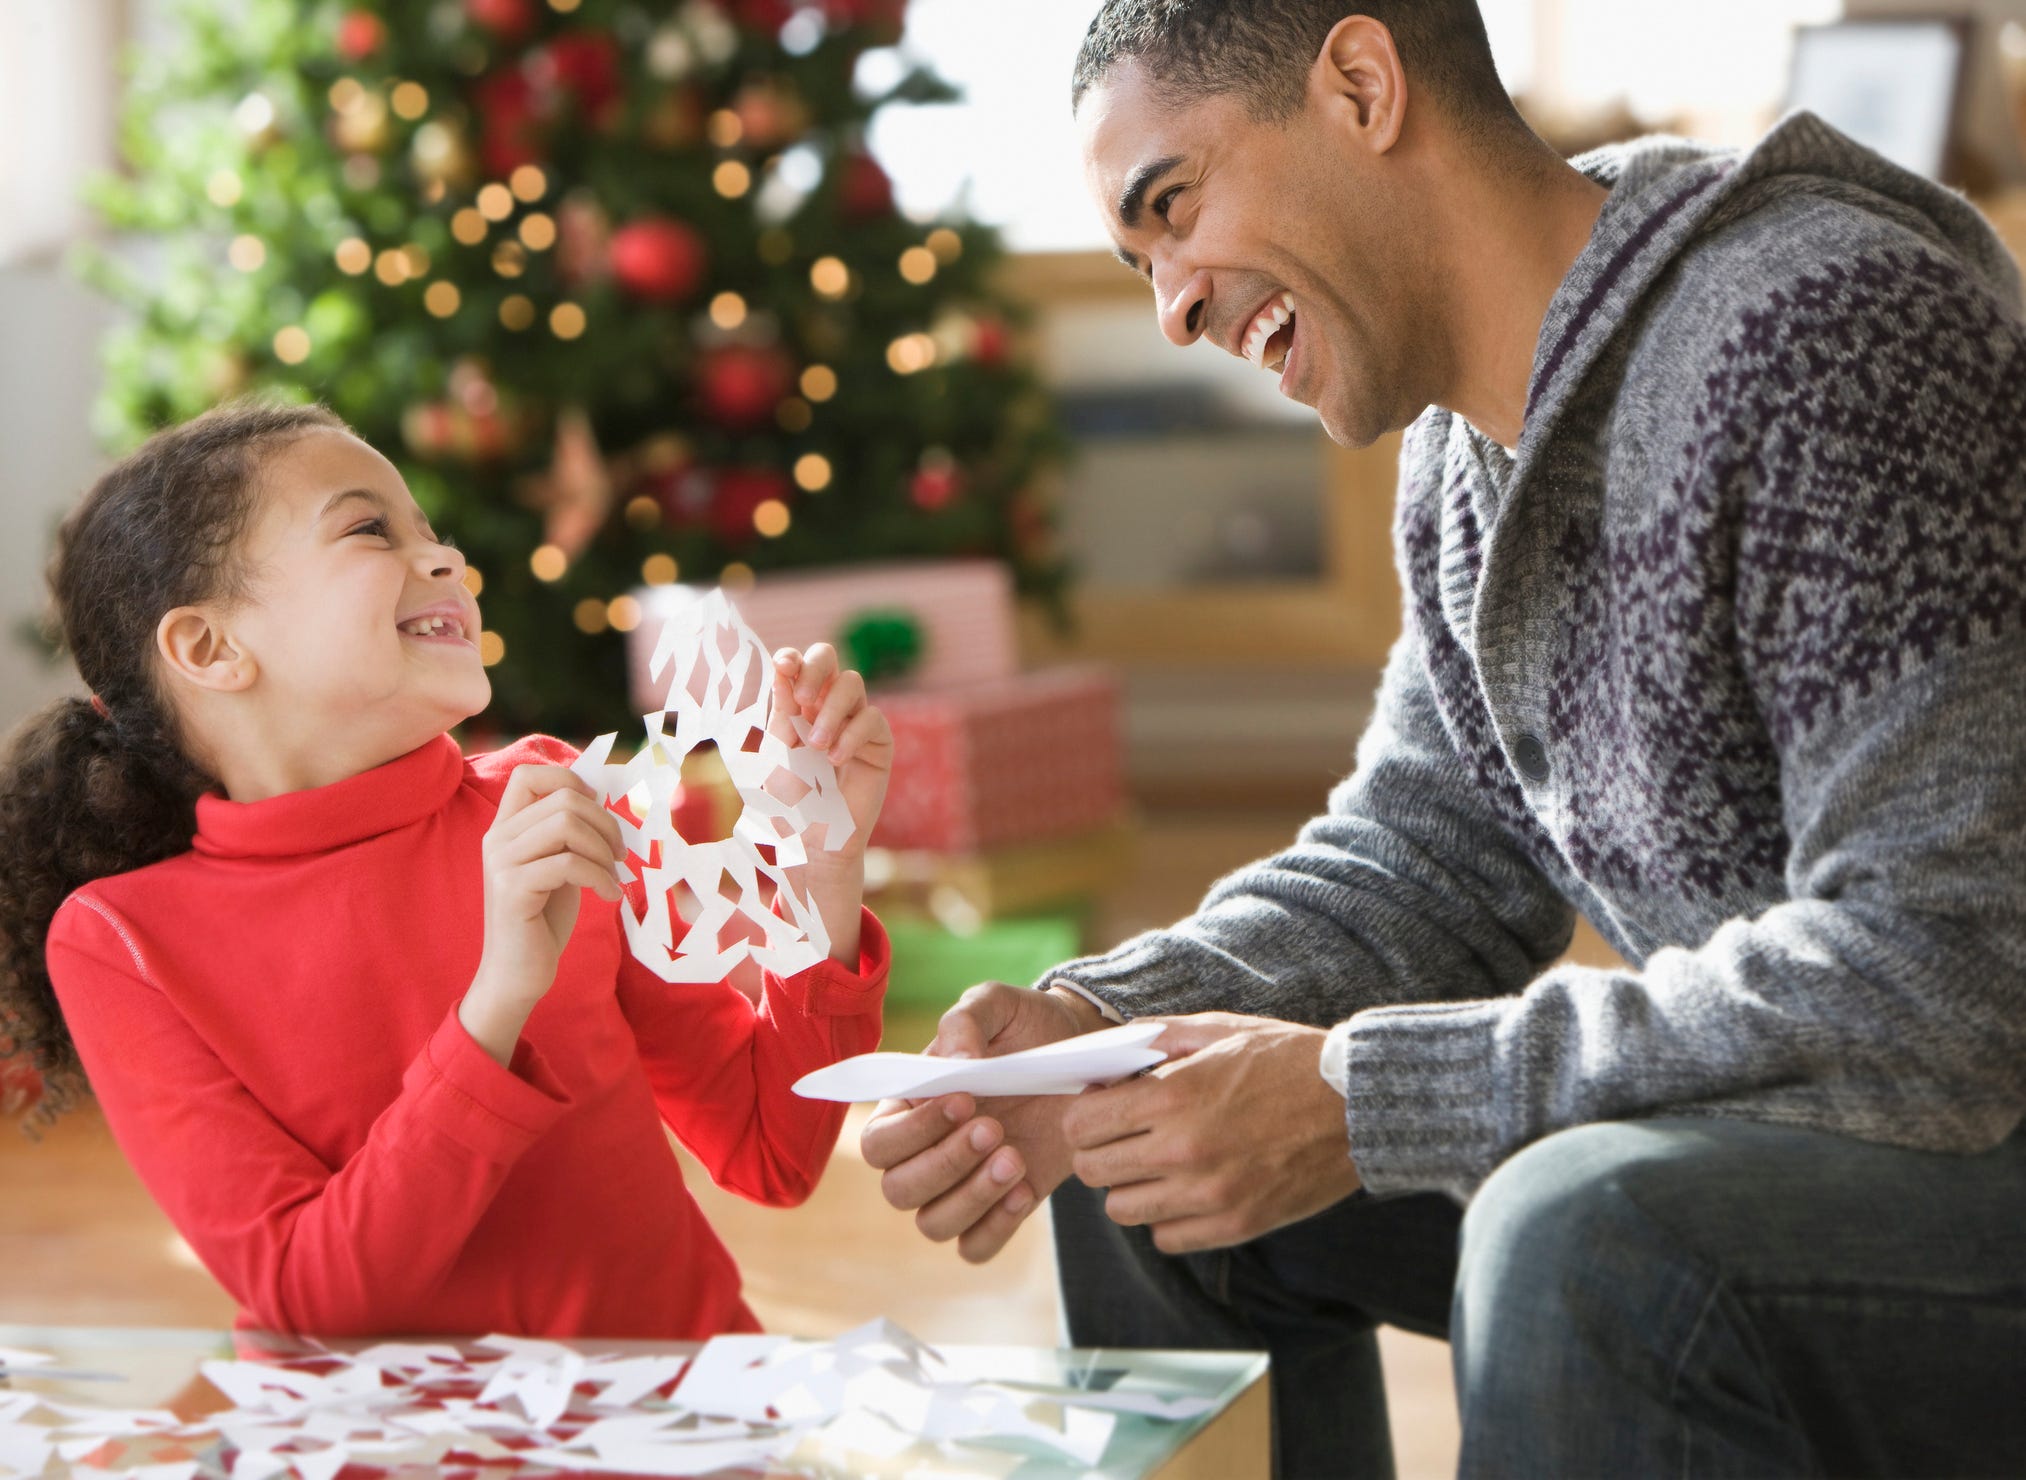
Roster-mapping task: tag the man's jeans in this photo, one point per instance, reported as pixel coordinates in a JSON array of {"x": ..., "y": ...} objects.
[{"x": 1651, "y": 1298}]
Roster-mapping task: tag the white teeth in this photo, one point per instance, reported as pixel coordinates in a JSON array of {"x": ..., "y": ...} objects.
[
  {"x": 1271, "y": 320},
  {"x": 433, "y": 627}
]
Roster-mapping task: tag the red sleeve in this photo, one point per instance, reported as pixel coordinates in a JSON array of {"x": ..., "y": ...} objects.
[
  {"x": 721, "y": 1064},
  {"x": 302, "y": 1246}
]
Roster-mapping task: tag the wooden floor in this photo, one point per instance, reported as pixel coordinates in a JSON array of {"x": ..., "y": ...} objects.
[{"x": 81, "y": 1244}]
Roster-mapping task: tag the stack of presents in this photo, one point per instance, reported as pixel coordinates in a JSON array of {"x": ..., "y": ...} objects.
[{"x": 1006, "y": 820}]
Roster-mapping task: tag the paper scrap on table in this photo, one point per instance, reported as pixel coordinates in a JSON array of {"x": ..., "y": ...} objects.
[
  {"x": 875, "y": 1398},
  {"x": 722, "y": 691},
  {"x": 1064, "y": 1068}
]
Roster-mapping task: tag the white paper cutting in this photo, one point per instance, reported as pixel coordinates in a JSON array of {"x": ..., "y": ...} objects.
[
  {"x": 875, "y": 1400},
  {"x": 1064, "y": 1068},
  {"x": 722, "y": 690}
]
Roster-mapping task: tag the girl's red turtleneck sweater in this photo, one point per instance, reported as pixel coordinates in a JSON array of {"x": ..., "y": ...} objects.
[{"x": 270, "y": 1023}]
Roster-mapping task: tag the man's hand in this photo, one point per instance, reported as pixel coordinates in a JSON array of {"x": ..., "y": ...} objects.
[
  {"x": 1236, "y": 1135},
  {"x": 938, "y": 1155}
]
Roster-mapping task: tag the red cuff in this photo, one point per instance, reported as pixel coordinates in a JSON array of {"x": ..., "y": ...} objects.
[
  {"x": 831, "y": 989},
  {"x": 495, "y": 1111}
]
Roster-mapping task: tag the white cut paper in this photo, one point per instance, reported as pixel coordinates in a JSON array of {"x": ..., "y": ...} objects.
[
  {"x": 722, "y": 690},
  {"x": 873, "y": 1400},
  {"x": 1063, "y": 1068}
]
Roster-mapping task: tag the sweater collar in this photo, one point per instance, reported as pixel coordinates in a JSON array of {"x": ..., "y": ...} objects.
[{"x": 401, "y": 792}]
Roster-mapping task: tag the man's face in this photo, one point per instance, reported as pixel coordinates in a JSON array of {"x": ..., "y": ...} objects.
[{"x": 1275, "y": 241}]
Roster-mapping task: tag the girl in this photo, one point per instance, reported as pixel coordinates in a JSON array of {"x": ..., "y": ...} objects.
[{"x": 357, "y": 1008}]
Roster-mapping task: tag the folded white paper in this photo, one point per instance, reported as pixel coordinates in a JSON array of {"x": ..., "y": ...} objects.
[
  {"x": 722, "y": 691},
  {"x": 1064, "y": 1068}
]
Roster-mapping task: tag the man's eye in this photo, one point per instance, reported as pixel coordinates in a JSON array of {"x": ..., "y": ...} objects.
[{"x": 1165, "y": 199}]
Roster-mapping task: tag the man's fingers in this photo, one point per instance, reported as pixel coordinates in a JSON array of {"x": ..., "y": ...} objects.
[
  {"x": 990, "y": 1233},
  {"x": 934, "y": 1173},
  {"x": 1181, "y": 1036},
  {"x": 898, "y": 1130},
  {"x": 1100, "y": 1115},
  {"x": 979, "y": 1016},
  {"x": 1118, "y": 1163},
  {"x": 1194, "y": 1235},
  {"x": 958, "y": 1210}
]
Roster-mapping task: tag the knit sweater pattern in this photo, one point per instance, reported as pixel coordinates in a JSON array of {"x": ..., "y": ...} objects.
[{"x": 1726, "y": 657}]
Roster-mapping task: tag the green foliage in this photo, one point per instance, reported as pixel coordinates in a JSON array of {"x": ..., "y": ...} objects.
[{"x": 247, "y": 173}]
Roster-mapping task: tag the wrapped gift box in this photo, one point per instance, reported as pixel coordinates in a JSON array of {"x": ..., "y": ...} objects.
[
  {"x": 934, "y": 965},
  {"x": 956, "y": 888},
  {"x": 963, "y": 609},
  {"x": 988, "y": 765}
]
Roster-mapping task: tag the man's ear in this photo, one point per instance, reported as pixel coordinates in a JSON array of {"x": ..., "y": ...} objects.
[
  {"x": 1358, "y": 78},
  {"x": 197, "y": 648}
]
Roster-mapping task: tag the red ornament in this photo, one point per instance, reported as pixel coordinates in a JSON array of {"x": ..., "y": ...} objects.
[
  {"x": 737, "y": 494},
  {"x": 510, "y": 20},
  {"x": 935, "y": 488},
  {"x": 722, "y": 500},
  {"x": 991, "y": 341},
  {"x": 882, "y": 18},
  {"x": 741, "y": 384},
  {"x": 360, "y": 34},
  {"x": 585, "y": 65},
  {"x": 762, "y": 15},
  {"x": 510, "y": 130},
  {"x": 658, "y": 258},
  {"x": 863, "y": 190}
]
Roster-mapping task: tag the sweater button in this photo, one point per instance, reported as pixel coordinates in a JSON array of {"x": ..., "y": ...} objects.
[{"x": 1531, "y": 757}]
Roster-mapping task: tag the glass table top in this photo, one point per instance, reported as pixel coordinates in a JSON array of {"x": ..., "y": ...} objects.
[{"x": 139, "y": 1368}]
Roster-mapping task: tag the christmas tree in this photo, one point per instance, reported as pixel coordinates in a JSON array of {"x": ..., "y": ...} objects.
[{"x": 616, "y": 284}]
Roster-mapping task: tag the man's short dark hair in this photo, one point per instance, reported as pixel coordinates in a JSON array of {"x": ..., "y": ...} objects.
[{"x": 1260, "y": 51}]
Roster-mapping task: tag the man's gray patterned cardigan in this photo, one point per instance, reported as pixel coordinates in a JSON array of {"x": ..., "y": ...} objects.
[{"x": 1730, "y": 658}]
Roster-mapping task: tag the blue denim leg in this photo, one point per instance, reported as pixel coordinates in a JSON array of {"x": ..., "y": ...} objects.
[
  {"x": 1311, "y": 1295},
  {"x": 1717, "y": 1298}
]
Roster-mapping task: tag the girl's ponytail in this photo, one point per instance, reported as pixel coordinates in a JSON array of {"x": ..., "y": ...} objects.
[{"x": 92, "y": 787}]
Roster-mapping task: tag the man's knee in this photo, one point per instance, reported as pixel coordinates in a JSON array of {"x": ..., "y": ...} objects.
[
  {"x": 1548, "y": 1200},
  {"x": 1575, "y": 1234}
]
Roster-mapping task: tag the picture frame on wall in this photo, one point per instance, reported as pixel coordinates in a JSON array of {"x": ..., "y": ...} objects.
[{"x": 1893, "y": 83}]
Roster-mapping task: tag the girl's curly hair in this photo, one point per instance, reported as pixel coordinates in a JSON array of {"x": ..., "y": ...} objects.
[{"x": 92, "y": 787}]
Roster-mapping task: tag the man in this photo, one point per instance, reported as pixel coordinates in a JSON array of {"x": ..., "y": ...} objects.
[{"x": 1712, "y": 526}]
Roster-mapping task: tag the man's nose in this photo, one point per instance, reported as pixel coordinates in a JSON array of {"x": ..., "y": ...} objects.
[{"x": 1181, "y": 305}]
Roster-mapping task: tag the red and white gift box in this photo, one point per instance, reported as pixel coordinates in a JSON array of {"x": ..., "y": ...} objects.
[
  {"x": 963, "y": 608},
  {"x": 1021, "y": 759}
]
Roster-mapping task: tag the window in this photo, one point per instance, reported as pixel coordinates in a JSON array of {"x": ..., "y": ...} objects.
[{"x": 1717, "y": 68}]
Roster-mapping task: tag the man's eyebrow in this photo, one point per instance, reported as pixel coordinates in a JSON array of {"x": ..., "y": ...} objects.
[
  {"x": 1138, "y": 183},
  {"x": 1132, "y": 263}
]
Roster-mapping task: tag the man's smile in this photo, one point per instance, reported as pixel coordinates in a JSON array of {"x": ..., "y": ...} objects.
[{"x": 1270, "y": 333}]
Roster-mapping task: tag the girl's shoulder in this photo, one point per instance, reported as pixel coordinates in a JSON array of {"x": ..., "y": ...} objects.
[{"x": 487, "y": 772}]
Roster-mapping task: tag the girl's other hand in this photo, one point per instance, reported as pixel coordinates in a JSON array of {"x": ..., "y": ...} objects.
[
  {"x": 551, "y": 840},
  {"x": 845, "y": 726}
]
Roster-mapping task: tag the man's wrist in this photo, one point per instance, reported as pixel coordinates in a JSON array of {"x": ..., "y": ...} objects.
[{"x": 1088, "y": 1016}]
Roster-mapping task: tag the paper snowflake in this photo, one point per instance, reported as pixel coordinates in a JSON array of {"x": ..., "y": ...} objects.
[{"x": 721, "y": 691}]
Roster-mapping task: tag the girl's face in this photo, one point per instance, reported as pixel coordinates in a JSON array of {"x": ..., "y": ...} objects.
[{"x": 360, "y": 629}]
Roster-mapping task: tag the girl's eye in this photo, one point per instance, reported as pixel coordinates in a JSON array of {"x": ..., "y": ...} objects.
[
  {"x": 1165, "y": 199},
  {"x": 371, "y": 526}
]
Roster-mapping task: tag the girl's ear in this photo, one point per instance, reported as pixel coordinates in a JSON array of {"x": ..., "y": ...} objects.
[{"x": 197, "y": 649}]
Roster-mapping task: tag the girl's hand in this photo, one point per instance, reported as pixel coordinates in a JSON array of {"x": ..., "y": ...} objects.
[
  {"x": 859, "y": 742},
  {"x": 850, "y": 731},
  {"x": 552, "y": 840}
]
